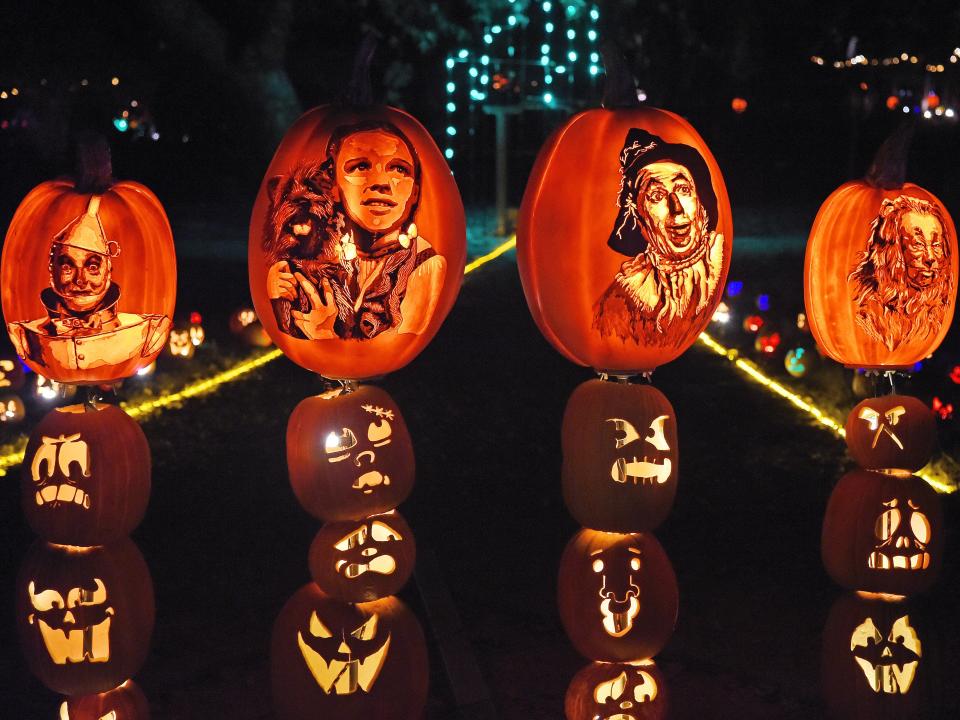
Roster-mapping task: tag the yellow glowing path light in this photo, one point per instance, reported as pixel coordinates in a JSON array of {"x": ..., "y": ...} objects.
[
  {"x": 211, "y": 384},
  {"x": 938, "y": 480}
]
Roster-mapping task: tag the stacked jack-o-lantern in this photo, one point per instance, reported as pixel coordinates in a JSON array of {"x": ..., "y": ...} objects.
[
  {"x": 356, "y": 254},
  {"x": 89, "y": 282},
  {"x": 880, "y": 287},
  {"x": 622, "y": 307}
]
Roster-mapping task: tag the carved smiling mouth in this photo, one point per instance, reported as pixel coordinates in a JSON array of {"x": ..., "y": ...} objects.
[
  {"x": 880, "y": 561},
  {"x": 680, "y": 230},
  {"x": 58, "y": 494},
  {"x": 618, "y": 622},
  {"x": 369, "y": 480}
]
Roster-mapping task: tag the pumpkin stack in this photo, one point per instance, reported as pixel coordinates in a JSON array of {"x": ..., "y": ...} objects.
[
  {"x": 357, "y": 248},
  {"x": 622, "y": 269},
  {"x": 880, "y": 283},
  {"x": 89, "y": 282}
]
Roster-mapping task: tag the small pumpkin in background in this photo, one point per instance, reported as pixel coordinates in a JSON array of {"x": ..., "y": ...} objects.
[
  {"x": 347, "y": 661},
  {"x": 892, "y": 432},
  {"x": 126, "y": 702},
  {"x": 240, "y": 319},
  {"x": 614, "y": 691},
  {"x": 11, "y": 372},
  {"x": 12, "y": 410},
  {"x": 883, "y": 533},
  {"x": 349, "y": 454},
  {"x": 88, "y": 275},
  {"x": 363, "y": 560},
  {"x": 85, "y": 478},
  {"x": 880, "y": 274},
  {"x": 619, "y": 456},
  {"x": 618, "y": 595},
  {"x": 84, "y": 615}
]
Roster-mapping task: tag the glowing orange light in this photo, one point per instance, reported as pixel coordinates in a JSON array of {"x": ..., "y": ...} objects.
[
  {"x": 933, "y": 100},
  {"x": 738, "y": 104},
  {"x": 753, "y": 323},
  {"x": 893, "y": 102}
]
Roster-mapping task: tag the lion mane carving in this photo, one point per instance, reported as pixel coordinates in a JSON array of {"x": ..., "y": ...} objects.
[{"x": 901, "y": 283}]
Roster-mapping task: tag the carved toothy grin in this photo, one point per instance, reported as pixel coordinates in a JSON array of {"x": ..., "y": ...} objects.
[
  {"x": 641, "y": 471},
  {"x": 89, "y": 644},
  {"x": 880, "y": 561},
  {"x": 59, "y": 494},
  {"x": 619, "y": 623},
  {"x": 891, "y": 679}
]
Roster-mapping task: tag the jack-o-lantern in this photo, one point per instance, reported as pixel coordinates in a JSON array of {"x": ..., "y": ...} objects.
[
  {"x": 84, "y": 615},
  {"x": 363, "y": 560},
  {"x": 11, "y": 372},
  {"x": 357, "y": 241},
  {"x": 880, "y": 276},
  {"x": 242, "y": 318},
  {"x": 344, "y": 661},
  {"x": 617, "y": 691},
  {"x": 619, "y": 456},
  {"x": 647, "y": 184},
  {"x": 126, "y": 702},
  {"x": 880, "y": 659},
  {"x": 180, "y": 344},
  {"x": 349, "y": 454},
  {"x": 893, "y": 432},
  {"x": 12, "y": 410},
  {"x": 88, "y": 277},
  {"x": 618, "y": 595},
  {"x": 85, "y": 478},
  {"x": 883, "y": 533}
]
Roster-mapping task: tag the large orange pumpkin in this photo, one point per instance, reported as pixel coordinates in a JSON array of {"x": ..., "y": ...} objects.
[
  {"x": 84, "y": 615},
  {"x": 880, "y": 275},
  {"x": 85, "y": 478},
  {"x": 357, "y": 241},
  {"x": 88, "y": 278},
  {"x": 624, "y": 238}
]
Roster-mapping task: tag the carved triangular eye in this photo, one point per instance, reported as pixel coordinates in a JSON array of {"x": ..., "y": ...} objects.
[
  {"x": 317, "y": 628},
  {"x": 610, "y": 690},
  {"x": 368, "y": 630}
]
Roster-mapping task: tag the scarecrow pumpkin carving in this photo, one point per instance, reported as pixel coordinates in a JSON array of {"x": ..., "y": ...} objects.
[
  {"x": 359, "y": 561},
  {"x": 883, "y": 533},
  {"x": 617, "y": 691},
  {"x": 347, "y": 661},
  {"x": 84, "y": 615},
  {"x": 89, "y": 276},
  {"x": 619, "y": 456},
  {"x": 349, "y": 454},
  {"x": 618, "y": 595}
]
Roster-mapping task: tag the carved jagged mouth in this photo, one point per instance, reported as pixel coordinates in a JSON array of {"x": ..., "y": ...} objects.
[
  {"x": 890, "y": 679},
  {"x": 344, "y": 677},
  {"x": 89, "y": 644},
  {"x": 881, "y": 561},
  {"x": 619, "y": 623},
  {"x": 63, "y": 494},
  {"x": 369, "y": 480},
  {"x": 641, "y": 472}
]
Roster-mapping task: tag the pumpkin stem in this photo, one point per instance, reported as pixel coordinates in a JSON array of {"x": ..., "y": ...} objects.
[
  {"x": 889, "y": 168},
  {"x": 360, "y": 91},
  {"x": 620, "y": 87},
  {"x": 94, "y": 169}
]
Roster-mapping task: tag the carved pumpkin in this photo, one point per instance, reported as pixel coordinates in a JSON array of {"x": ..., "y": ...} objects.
[
  {"x": 363, "y": 560},
  {"x": 883, "y": 533},
  {"x": 180, "y": 344},
  {"x": 880, "y": 276},
  {"x": 349, "y": 454},
  {"x": 12, "y": 410},
  {"x": 619, "y": 456},
  {"x": 617, "y": 691},
  {"x": 11, "y": 372},
  {"x": 338, "y": 660},
  {"x": 126, "y": 702},
  {"x": 84, "y": 615},
  {"x": 624, "y": 266},
  {"x": 88, "y": 278},
  {"x": 357, "y": 241},
  {"x": 893, "y": 432},
  {"x": 242, "y": 318},
  {"x": 880, "y": 659},
  {"x": 618, "y": 595},
  {"x": 85, "y": 478}
]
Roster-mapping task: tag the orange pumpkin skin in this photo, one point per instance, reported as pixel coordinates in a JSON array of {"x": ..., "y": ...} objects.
[
  {"x": 618, "y": 595},
  {"x": 85, "y": 479},
  {"x": 883, "y": 533},
  {"x": 127, "y": 702},
  {"x": 128, "y": 328},
  {"x": 381, "y": 673},
  {"x": 571, "y": 276},
  {"x": 619, "y": 456},
  {"x": 370, "y": 333},
  {"x": 604, "y": 691},
  {"x": 84, "y": 615},
  {"x": 893, "y": 432},
  {"x": 349, "y": 454},
  {"x": 363, "y": 560},
  {"x": 870, "y": 299},
  {"x": 882, "y": 659}
]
